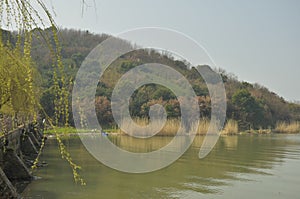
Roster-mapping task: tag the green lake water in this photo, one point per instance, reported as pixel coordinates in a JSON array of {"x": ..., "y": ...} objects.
[{"x": 242, "y": 167}]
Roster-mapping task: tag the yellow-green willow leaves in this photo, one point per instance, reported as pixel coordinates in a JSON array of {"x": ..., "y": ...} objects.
[{"x": 19, "y": 88}]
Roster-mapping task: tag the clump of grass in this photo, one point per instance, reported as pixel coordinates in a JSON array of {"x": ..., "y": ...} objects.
[
  {"x": 230, "y": 128},
  {"x": 203, "y": 126},
  {"x": 285, "y": 127},
  {"x": 171, "y": 127}
]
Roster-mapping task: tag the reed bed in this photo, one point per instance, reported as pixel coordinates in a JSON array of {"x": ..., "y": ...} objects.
[
  {"x": 169, "y": 129},
  {"x": 231, "y": 128},
  {"x": 203, "y": 126},
  {"x": 172, "y": 126},
  {"x": 285, "y": 127}
]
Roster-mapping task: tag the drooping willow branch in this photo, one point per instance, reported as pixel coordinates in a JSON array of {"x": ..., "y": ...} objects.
[{"x": 18, "y": 90}]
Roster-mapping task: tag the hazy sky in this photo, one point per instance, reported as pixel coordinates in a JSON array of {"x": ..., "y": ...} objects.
[{"x": 259, "y": 41}]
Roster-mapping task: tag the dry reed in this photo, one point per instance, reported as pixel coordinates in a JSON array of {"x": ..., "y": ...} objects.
[
  {"x": 230, "y": 128},
  {"x": 170, "y": 128},
  {"x": 285, "y": 127}
]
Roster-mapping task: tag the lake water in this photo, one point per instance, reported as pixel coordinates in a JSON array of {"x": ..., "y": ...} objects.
[{"x": 247, "y": 167}]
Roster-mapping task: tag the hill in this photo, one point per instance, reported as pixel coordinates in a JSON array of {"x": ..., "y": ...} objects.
[{"x": 252, "y": 105}]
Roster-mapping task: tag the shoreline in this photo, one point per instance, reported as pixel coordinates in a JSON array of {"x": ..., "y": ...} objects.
[
  {"x": 170, "y": 128},
  {"x": 74, "y": 132}
]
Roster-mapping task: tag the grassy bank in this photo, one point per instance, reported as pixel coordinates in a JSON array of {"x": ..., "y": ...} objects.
[{"x": 65, "y": 130}]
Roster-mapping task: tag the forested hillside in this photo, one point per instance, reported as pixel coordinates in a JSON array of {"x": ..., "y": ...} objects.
[{"x": 252, "y": 105}]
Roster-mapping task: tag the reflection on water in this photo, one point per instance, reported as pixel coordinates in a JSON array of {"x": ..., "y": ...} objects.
[{"x": 264, "y": 166}]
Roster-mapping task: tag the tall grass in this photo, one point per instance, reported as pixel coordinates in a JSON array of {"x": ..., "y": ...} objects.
[
  {"x": 172, "y": 126},
  {"x": 203, "y": 126},
  {"x": 285, "y": 127},
  {"x": 230, "y": 128},
  {"x": 169, "y": 129}
]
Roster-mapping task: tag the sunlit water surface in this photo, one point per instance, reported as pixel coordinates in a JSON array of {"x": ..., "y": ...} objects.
[{"x": 265, "y": 166}]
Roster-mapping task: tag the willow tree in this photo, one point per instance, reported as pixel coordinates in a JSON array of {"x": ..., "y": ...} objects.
[
  {"x": 18, "y": 88},
  {"x": 23, "y": 17}
]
